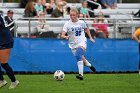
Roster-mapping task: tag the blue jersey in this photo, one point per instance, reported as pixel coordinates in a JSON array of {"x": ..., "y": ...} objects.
[{"x": 5, "y": 34}]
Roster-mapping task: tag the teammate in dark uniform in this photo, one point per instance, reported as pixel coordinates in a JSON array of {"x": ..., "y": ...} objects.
[{"x": 6, "y": 43}]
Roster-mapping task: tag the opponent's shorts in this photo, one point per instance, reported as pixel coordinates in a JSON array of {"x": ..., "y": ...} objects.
[{"x": 6, "y": 46}]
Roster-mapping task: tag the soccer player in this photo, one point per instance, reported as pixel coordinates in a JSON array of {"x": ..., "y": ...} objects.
[
  {"x": 75, "y": 29},
  {"x": 136, "y": 36},
  {"x": 6, "y": 43}
]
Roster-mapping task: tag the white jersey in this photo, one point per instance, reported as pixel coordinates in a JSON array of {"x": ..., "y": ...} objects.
[{"x": 76, "y": 33}]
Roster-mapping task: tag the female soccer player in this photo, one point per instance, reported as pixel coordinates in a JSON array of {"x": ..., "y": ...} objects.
[
  {"x": 6, "y": 43},
  {"x": 75, "y": 29}
]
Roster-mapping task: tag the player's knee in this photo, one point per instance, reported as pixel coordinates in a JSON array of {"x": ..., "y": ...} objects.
[{"x": 79, "y": 54}]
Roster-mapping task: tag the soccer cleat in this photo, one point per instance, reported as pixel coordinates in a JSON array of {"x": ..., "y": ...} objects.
[
  {"x": 80, "y": 77},
  {"x": 3, "y": 83},
  {"x": 14, "y": 84},
  {"x": 93, "y": 68}
]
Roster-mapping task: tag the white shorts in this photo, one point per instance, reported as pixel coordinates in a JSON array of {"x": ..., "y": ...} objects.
[{"x": 83, "y": 44}]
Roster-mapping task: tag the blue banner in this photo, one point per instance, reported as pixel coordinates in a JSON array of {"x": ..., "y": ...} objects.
[{"x": 39, "y": 54}]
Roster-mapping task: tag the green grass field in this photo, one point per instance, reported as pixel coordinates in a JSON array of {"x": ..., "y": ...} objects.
[{"x": 92, "y": 83}]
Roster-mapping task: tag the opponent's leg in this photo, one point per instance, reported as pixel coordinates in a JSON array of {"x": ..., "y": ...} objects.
[
  {"x": 1, "y": 75},
  {"x": 2, "y": 81},
  {"x": 9, "y": 71},
  {"x": 2, "y": 59},
  {"x": 4, "y": 56},
  {"x": 11, "y": 75}
]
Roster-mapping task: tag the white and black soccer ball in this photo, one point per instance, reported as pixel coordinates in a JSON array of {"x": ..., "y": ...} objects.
[{"x": 59, "y": 75}]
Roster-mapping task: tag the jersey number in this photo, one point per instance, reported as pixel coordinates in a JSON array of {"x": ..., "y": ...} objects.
[{"x": 77, "y": 33}]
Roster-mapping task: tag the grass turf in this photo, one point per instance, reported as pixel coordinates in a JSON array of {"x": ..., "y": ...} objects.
[{"x": 92, "y": 83}]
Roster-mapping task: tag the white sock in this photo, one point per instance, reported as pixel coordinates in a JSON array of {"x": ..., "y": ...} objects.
[
  {"x": 80, "y": 67},
  {"x": 87, "y": 64}
]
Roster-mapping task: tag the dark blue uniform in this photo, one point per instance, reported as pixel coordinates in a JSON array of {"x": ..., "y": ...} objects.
[{"x": 6, "y": 39}]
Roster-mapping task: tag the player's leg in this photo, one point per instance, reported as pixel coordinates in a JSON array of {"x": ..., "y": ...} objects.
[
  {"x": 78, "y": 55},
  {"x": 1, "y": 75},
  {"x": 88, "y": 64},
  {"x": 2, "y": 81},
  {"x": 4, "y": 56}
]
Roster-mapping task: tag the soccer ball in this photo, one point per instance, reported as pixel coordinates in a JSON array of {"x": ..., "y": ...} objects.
[{"x": 59, "y": 75}]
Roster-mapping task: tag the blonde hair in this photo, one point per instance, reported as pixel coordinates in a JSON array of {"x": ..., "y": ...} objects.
[{"x": 74, "y": 10}]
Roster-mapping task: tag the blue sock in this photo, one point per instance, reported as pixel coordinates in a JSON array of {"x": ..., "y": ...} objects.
[{"x": 79, "y": 54}]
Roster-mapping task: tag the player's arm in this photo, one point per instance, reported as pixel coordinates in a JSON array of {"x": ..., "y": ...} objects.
[
  {"x": 64, "y": 31},
  {"x": 63, "y": 35},
  {"x": 136, "y": 38},
  {"x": 88, "y": 33},
  {"x": 136, "y": 34}
]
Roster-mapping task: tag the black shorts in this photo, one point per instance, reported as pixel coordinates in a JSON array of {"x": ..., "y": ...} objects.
[{"x": 6, "y": 46}]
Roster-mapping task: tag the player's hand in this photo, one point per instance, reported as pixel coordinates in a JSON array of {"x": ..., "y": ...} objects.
[
  {"x": 92, "y": 40},
  {"x": 66, "y": 37}
]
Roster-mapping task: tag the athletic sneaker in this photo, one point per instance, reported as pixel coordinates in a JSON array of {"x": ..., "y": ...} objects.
[
  {"x": 3, "y": 83},
  {"x": 93, "y": 68},
  {"x": 80, "y": 77},
  {"x": 14, "y": 84}
]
